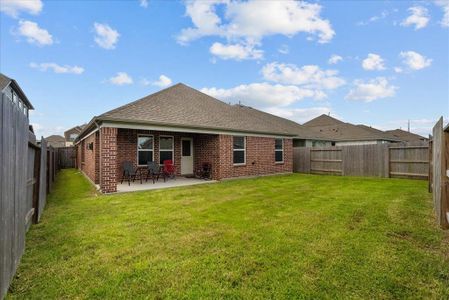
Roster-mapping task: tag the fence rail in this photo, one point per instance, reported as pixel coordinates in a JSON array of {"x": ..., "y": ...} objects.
[{"x": 380, "y": 160}]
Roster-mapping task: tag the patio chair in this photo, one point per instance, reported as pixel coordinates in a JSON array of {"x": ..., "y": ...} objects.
[
  {"x": 154, "y": 171},
  {"x": 129, "y": 172},
  {"x": 169, "y": 169},
  {"x": 205, "y": 171}
]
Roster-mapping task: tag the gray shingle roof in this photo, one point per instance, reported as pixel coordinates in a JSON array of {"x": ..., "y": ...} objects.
[
  {"x": 406, "y": 136},
  {"x": 337, "y": 130},
  {"x": 183, "y": 106}
]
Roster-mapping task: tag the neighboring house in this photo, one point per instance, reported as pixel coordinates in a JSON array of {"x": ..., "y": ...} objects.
[
  {"x": 10, "y": 89},
  {"x": 71, "y": 134},
  {"x": 56, "y": 141},
  {"x": 407, "y": 136},
  {"x": 345, "y": 134},
  {"x": 189, "y": 127}
]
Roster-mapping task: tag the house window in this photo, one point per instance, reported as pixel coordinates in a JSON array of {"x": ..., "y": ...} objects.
[
  {"x": 279, "y": 150},
  {"x": 166, "y": 146},
  {"x": 144, "y": 149},
  {"x": 239, "y": 150}
]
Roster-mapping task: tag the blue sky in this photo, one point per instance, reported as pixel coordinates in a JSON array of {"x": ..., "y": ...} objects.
[{"x": 379, "y": 63}]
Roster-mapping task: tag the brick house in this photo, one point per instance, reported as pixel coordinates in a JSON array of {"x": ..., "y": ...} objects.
[{"x": 190, "y": 128}]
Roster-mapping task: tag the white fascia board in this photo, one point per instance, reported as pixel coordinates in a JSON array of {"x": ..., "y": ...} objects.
[{"x": 87, "y": 135}]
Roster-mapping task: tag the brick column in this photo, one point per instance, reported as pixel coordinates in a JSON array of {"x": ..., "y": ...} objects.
[{"x": 108, "y": 160}]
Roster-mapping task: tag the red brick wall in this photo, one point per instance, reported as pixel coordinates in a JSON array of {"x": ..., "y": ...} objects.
[
  {"x": 127, "y": 145},
  {"x": 88, "y": 167},
  {"x": 113, "y": 146},
  {"x": 259, "y": 157},
  {"x": 206, "y": 149},
  {"x": 108, "y": 160}
]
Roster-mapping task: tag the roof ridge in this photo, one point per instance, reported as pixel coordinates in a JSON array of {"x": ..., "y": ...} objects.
[{"x": 141, "y": 99}]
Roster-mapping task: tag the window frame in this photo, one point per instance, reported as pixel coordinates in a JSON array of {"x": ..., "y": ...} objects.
[
  {"x": 172, "y": 150},
  {"x": 234, "y": 150},
  {"x": 144, "y": 150},
  {"x": 279, "y": 150}
]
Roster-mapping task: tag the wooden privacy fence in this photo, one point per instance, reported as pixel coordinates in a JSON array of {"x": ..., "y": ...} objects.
[
  {"x": 439, "y": 173},
  {"x": 27, "y": 172},
  {"x": 66, "y": 156},
  {"x": 380, "y": 160}
]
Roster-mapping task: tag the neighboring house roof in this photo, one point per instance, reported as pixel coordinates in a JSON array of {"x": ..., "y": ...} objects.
[
  {"x": 55, "y": 138},
  {"x": 6, "y": 81},
  {"x": 184, "y": 107},
  {"x": 299, "y": 130},
  {"x": 77, "y": 129},
  {"x": 336, "y": 130},
  {"x": 385, "y": 134},
  {"x": 406, "y": 136},
  {"x": 323, "y": 120}
]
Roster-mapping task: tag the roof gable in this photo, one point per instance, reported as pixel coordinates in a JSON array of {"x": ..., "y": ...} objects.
[
  {"x": 323, "y": 120},
  {"x": 5, "y": 81}
]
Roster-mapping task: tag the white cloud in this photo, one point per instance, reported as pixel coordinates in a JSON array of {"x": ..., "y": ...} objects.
[
  {"x": 419, "y": 17},
  {"x": 163, "y": 81},
  {"x": 419, "y": 126},
  {"x": 47, "y": 130},
  {"x": 309, "y": 76},
  {"x": 373, "y": 62},
  {"x": 237, "y": 51},
  {"x": 14, "y": 7},
  {"x": 414, "y": 60},
  {"x": 57, "y": 68},
  {"x": 121, "y": 79},
  {"x": 247, "y": 23},
  {"x": 372, "y": 90},
  {"x": 105, "y": 37},
  {"x": 300, "y": 115},
  {"x": 375, "y": 18},
  {"x": 34, "y": 34},
  {"x": 398, "y": 69},
  {"x": 263, "y": 94},
  {"x": 145, "y": 82},
  {"x": 444, "y": 4},
  {"x": 284, "y": 49},
  {"x": 334, "y": 59},
  {"x": 143, "y": 3}
]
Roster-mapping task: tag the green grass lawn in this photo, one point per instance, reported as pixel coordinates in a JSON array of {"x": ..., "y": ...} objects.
[{"x": 292, "y": 236}]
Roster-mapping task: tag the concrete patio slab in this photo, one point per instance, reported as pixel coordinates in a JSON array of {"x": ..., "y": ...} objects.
[{"x": 170, "y": 183}]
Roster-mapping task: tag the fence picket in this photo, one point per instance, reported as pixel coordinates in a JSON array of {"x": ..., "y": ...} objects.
[{"x": 378, "y": 160}]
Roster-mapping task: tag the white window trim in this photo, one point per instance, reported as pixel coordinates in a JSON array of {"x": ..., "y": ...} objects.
[
  {"x": 138, "y": 150},
  {"x": 244, "y": 151},
  {"x": 172, "y": 150},
  {"x": 279, "y": 150}
]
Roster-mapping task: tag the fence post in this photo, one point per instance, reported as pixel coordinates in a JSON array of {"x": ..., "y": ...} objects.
[
  {"x": 37, "y": 172},
  {"x": 387, "y": 161}
]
